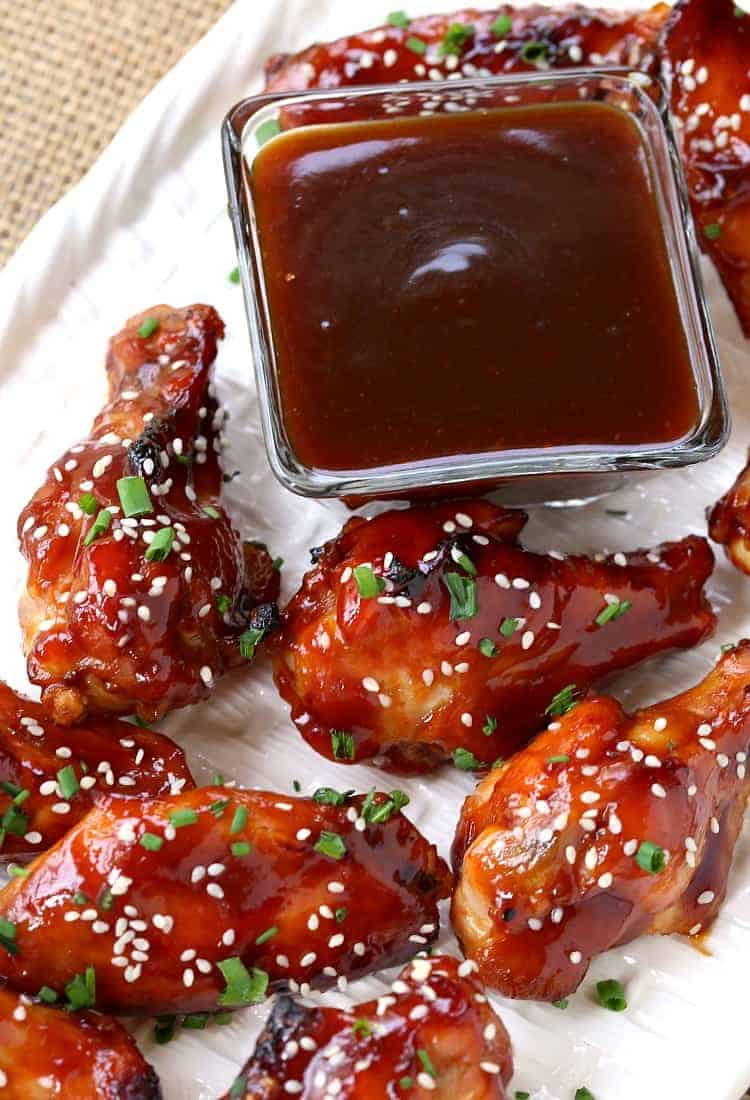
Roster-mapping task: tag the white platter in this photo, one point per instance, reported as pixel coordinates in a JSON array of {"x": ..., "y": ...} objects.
[{"x": 148, "y": 224}]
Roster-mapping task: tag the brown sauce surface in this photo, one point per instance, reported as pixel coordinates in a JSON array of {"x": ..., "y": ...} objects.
[{"x": 470, "y": 283}]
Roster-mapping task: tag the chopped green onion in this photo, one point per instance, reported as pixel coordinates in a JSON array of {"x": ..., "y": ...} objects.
[
  {"x": 98, "y": 527},
  {"x": 18, "y": 872},
  {"x": 269, "y": 933},
  {"x": 134, "y": 497},
  {"x": 164, "y": 1029},
  {"x": 465, "y": 562},
  {"x": 533, "y": 52},
  {"x": 522, "y": 1095},
  {"x": 160, "y": 545},
  {"x": 107, "y": 898},
  {"x": 378, "y": 813},
  {"x": 8, "y": 936},
  {"x": 487, "y": 647},
  {"x": 466, "y": 761},
  {"x": 342, "y": 745},
  {"x": 728, "y": 647},
  {"x": 612, "y": 611},
  {"x": 14, "y": 821},
  {"x": 218, "y": 807},
  {"x": 340, "y": 915},
  {"x": 327, "y": 796},
  {"x": 196, "y": 1021},
  {"x": 564, "y": 701},
  {"x": 277, "y": 564},
  {"x": 151, "y": 842},
  {"x": 180, "y": 818},
  {"x": 563, "y": 758},
  {"x": 712, "y": 231},
  {"x": 584, "y": 1094},
  {"x": 503, "y": 25},
  {"x": 267, "y": 130},
  {"x": 416, "y": 45},
  {"x": 211, "y": 511},
  {"x": 362, "y": 1028},
  {"x": 239, "y": 1088},
  {"x": 463, "y": 593},
  {"x": 399, "y": 19},
  {"x": 79, "y": 898},
  {"x": 561, "y": 1004},
  {"x": 331, "y": 844},
  {"x": 243, "y": 986},
  {"x": 368, "y": 585},
  {"x": 81, "y": 991},
  {"x": 611, "y": 995},
  {"x": 490, "y": 725},
  {"x": 240, "y": 848},
  {"x": 223, "y": 604},
  {"x": 456, "y": 37},
  {"x": 426, "y": 1062},
  {"x": 239, "y": 821},
  {"x": 234, "y": 275},
  {"x": 248, "y": 641},
  {"x": 405, "y": 1083},
  {"x": 508, "y": 627},
  {"x": 46, "y": 995},
  {"x": 10, "y": 788},
  {"x": 88, "y": 504},
  {"x": 651, "y": 857},
  {"x": 148, "y": 328},
  {"x": 67, "y": 782}
]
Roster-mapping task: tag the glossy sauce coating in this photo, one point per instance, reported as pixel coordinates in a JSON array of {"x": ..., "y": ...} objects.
[
  {"x": 104, "y": 756},
  {"x": 45, "y": 1052},
  {"x": 709, "y": 104},
  {"x": 372, "y": 1051},
  {"x": 729, "y": 521},
  {"x": 106, "y": 629},
  {"x": 384, "y": 290},
  {"x": 155, "y": 923},
  {"x": 412, "y": 685},
  {"x": 549, "y": 851}
]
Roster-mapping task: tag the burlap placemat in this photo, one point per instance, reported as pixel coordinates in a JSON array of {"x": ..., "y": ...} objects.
[{"x": 70, "y": 73}]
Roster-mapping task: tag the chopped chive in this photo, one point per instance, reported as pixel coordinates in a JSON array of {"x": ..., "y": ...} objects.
[
  {"x": 277, "y": 564},
  {"x": 465, "y": 562},
  {"x": 297, "y": 786},
  {"x": 223, "y": 603},
  {"x": 584, "y": 1094},
  {"x": 611, "y": 995},
  {"x": 243, "y": 986},
  {"x": 81, "y": 991},
  {"x": 79, "y": 898},
  {"x": 619, "y": 513},
  {"x": 712, "y": 231},
  {"x": 331, "y": 844},
  {"x": 533, "y": 52},
  {"x": 134, "y": 496},
  {"x": 151, "y": 842},
  {"x": 342, "y": 745},
  {"x": 88, "y": 504},
  {"x": 377, "y": 813},
  {"x": 218, "y": 807},
  {"x": 67, "y": 781},
  {"x": 651, "y": 857},
  {"x": 426, "y": 1062},
  {"x": 368, "y": 585},
  {"x": 487, "y": 647},
  {"x": 20, "y": 798},
  {"x": 456, "y": 37},
  {"x": 10, "y": 788},
  {"x": 267, "y": 130},
  {"x": 196, "y": 1021},
  {"x": 416, "y": 45},
  {"x": 239, "y": 821},
  {"x": 503, "y": 25},
  {"x": 211, "y": 511},
  {"x": 466, "y": 761},
  {"x": 248, "y": 641},
  {"x": 269, "y": 933},
  {"x": 561, "y": 1004},
  {"x": 99, "y": 526},
  {"x": 14, "y": 821},
  {"x": 327, "y": 796},
  {"x": 340, "y": 915},
  {"x": 148, "y": 328},
  {"x": 563, "y": 701},
  {"x": 362, "y": 1028},
  {"x": 240, "y": 848},
  {"x": 463, "y": 593},
  {"x": 164, "y": 1029},
  {"x": 217, "y": 780},
  {"x": 8, "y": 936},
  {"x": 508, "y": 627},
  {"x": 399, "y": 19},
  {"x": 18, "y": 872},
  {"x": 490, "y": 725},
  {"x": 522, "y": 1095},
  {"x": 46, "y": 995},
  {"x": 107, "y": 899},
  {"x": 160, "y": 545},
  {"x": 612, "y": 611},
  {"x": 239, "y": 1088},
  {"x": 728, "y": 647},
  {"x": 405, "y": 1082},
  {"x": 562, "y": 758},
  {"x": 234, "y": 275},
  {"x": 180, "y": 818}
]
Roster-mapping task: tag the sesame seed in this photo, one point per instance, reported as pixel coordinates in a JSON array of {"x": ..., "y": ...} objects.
[
  {"x": 658, "y": 791},
  {"x": 463, "y": 638},
  {"x": 575, "y": 957},
  {"x": 588, "y": 797},
  {"x": 527, "y": 640},
  {"x": 706, "y": 897},
  {"x": 605, "y": 880},
  {"x": 660, "y": 724},
  {"x": 336, "y": 887},
  {"x": 370, "y": 684},
  {"x": 206, "y": 675}
]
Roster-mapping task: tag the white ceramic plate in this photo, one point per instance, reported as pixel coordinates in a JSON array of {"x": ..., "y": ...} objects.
[{"x": 148, "y": 224}]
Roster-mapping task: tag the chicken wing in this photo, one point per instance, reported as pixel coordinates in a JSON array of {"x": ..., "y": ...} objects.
[
  {"x": 50, "y": 775},
  {"x": 607, "y": 826},
  {"x": 701, "y": 49},
  {"x": 184, "y": 904},
  {"x": 431, "y": 632},
  {"x": 729, "y": 521},
  {"x": 45, "y": 1052},
  {"x": 434, "y": 1033},
  {"x": 706, "y": 62},
  {"x": 140, "y": 592}
]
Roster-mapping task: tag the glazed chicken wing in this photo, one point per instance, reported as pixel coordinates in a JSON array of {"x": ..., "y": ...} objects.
[
  {"x": 607, "y": 826},
  {"x": 189, "y": 903},
  {"x": 45, "y": 1052},
  {"x": 706, "y": 62},
  {"x": 433, "y": 1034},
  {"x": 139, "y": 589},
  {"x": 50, "y": 775},
  {"x": 729, "y": 521},
  {"x": 431, "y": 632}
]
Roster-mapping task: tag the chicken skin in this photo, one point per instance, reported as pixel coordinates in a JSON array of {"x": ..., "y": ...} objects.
[
  {"x": 433, "y": 1035},
  {"x": 202, "y": 901},
  {"x": 45, "y": 1052},
  {"x": 607, "y": 826},
  {"x": 140, "y": 592},
  {"x": 430, "y": 633},
  {"x": 51, "y": 775},
  {"x": 729, "y": 522},
  {"x": 700, "y": 49}
]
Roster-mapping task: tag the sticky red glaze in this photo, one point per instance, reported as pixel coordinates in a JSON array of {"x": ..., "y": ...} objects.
[
  {"x": 705, "y": 31},
  {"x": 96, "y": 638},
  {"x": 713, "y": 42},
  {"x": 106, "y": 755},
  {"x": 392, "y": 879},
  {"x": 381, "y": 56},
  {"x": 332, "y": 640},
  {"x": 45, "y": 1052},
  {"x": 433, "y": 1006},
  {"x": 729, "y": 521},
  {"x": 523, "y": 855}
]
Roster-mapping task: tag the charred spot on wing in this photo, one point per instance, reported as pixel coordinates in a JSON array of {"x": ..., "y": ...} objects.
[
  {"x": 146, "y": 448},
  {"x": 144, "y": 1086},
  {"x": 265, "y": 617},
  {"x": 287, "y": 1017},
  {"x": 400, "y": 574},
  {"x": 316, "y": 553}
]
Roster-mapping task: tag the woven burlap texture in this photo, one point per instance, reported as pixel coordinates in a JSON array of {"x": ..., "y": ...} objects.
[{"x": 70, "y": 73}]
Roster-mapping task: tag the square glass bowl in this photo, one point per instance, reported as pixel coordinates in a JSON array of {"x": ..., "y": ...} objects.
[{"x": 553, "y": 475}]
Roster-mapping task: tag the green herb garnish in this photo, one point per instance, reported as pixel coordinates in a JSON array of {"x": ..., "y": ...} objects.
[
  {"x": 463, "y": 593},
  {"x": 487, "y": 647},
  {"x": 331, "y": 844},
  {"x": 327, "y": 796},
  {"x": 563, "y": 758},
  {"x": 81, "y": 991},
  {"x": 99, "y": 526},
  {"x": 148, "y": 327},
  {"x": 362, "y": 1028},
  {"x": 234, "y": 275},
  {"x": 399, "y": 19},
  {"x": 490, "y": 725},
  {"x": 426, "y": 1062},
  {"x": 248, "y": 641},
  {"x": 67, "y": 781},
  {"x": 612, "y": 611},
  {"x": 466, "y": 761},
  {"x": 88, "y": 504},
  {"x": 269, "y": 933},
  {"x": 342, "y": 745},
  {"x": 564, "y": 701},
  {"x": 243, "y": 986},
  {"x": 508, "y": 627},
  {"x": 151, "y": 842},
  {"x": 533, "y": 52},
  {"x": 712, "y": 231},
  {"x": 503, "y": 25},
  {"x": 416, "y": 45},
  {"x": 378, "y": 813},
  {"x": 160, "y": 545},
  {"x": 239, "y": 821},
  {"x": 8, "y": 936},
  {"x": 368, "y": 585},
  {"x": 240, "y": 848},
  {"x": 134, "y": 497},
  {"x": 456, "y": 37},
  {"x": 651, "y": 857},
  {"x": 611, "y": 995},
  {"x": 181, "y": 818}
]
